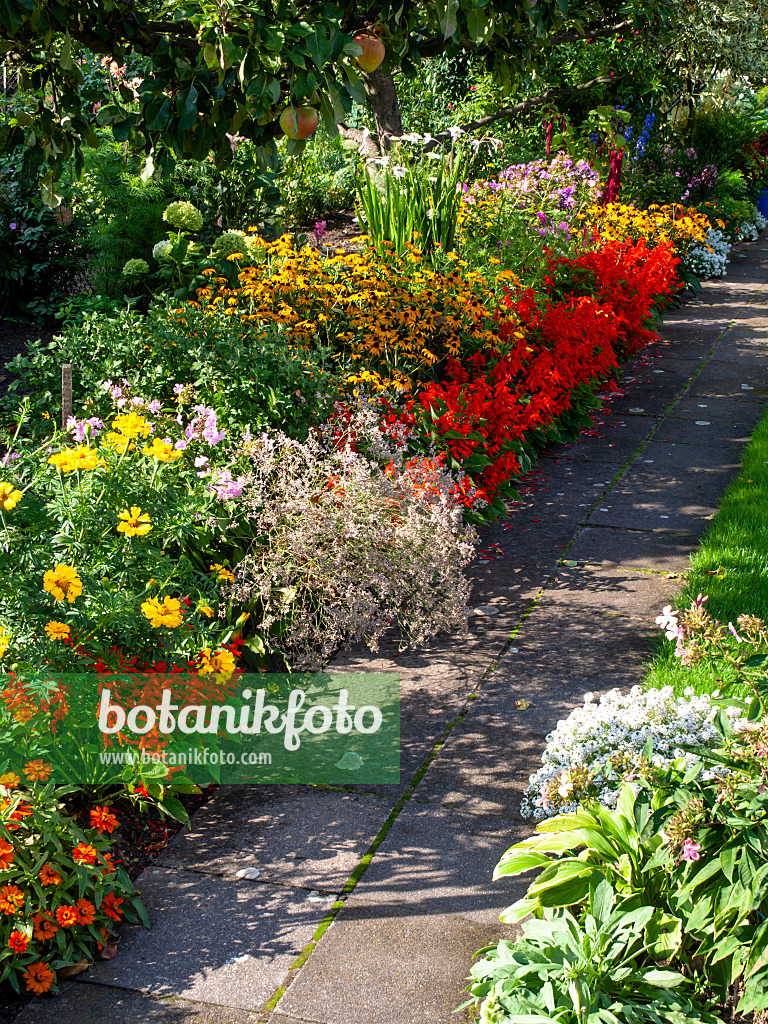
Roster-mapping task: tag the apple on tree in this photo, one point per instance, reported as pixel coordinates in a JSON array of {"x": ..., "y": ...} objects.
[
  {"x": 299, "y": 122},
  {"x": 373, "y": 52}
]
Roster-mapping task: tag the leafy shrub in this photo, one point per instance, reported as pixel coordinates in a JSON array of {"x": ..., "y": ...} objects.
[
  {"x": 573, "y": 971},
  {"x": 43, "y": 253},
  {"x": 60, "y": 893},
  {"x": 98, "y": 535},
  {"x": 321, "y": 181},
  {"x": 689, "y": 845},
  {"x": 253, "y": 377}
]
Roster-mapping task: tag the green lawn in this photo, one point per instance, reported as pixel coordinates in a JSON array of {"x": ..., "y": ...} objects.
[{"x": 731, "y": 566}]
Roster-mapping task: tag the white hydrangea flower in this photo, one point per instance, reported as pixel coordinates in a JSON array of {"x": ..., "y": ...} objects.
[{"x": 160, "y": 251}]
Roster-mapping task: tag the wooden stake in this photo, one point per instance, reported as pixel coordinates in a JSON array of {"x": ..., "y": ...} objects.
[{"x": 66, "y": 394}]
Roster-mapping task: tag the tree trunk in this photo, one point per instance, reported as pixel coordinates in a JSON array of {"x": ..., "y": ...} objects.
[{"x": 382, "y": 98}]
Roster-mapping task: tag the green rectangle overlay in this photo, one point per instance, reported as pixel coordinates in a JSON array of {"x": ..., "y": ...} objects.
[{"x": 89, "y": 729}]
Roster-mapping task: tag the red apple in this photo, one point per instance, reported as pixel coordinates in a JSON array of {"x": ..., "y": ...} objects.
[
  {"x": 299, "y": 122},
  {"x": 373, "y": 52}
]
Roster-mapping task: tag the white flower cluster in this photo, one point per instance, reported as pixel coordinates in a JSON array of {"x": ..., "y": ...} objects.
[
  {"x": 161, "y": 250},
  {"x": 747, "y": 232},
  {"x": 709, "y": 258},
  {"x": 760, "y": 221},
  {"x": 598, "y": 746}
]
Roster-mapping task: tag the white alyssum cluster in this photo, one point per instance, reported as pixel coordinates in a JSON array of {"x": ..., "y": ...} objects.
[
  {"x": 598, "y": 746},
  {"x": 709, "y": 258},
  {"x": 747, "y": 232},
  {"x": 760, "y": 221}
]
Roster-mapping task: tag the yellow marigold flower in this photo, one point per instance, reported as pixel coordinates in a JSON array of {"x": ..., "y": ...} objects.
[
  {"x": 57, "y": 630},
  {"x": 224, "y": 574},
  {"x": 4, "y": 641},
  {"x": 117, "y": 441},
  {"x": 130, "y": 425},
  {"x": 216, "y": 662},
  {"x": 63, "y": 582},
  {"x": 9, "y": 779},
  {"x": 166, "y": 614},
  {"x": 80, "y": 458},
  {"x": 206, "y": 610},
  {"x": 10, "y": 496},
  {"x": 162, "y": 450},
  {"x": 134, "y": 523}
]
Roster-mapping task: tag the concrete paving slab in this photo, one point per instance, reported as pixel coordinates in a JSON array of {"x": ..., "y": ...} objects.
[
  {"x": 296, "y": 835},
  {"x": 621, "y": 591},
  {"x": 387, "y": 965},
  {"x": 436, "y": 861},
  {"x": 213, "y": 940},
  {"x": 577, "y": 642},
  {"x": 485, "y": 764},
  {"x": 699, "y": 432},
  {"x": 633, "y": 549},
  {"x": 95, "y": 1004},
  {"x": 738, "y": 406},
  {"x": 678, "y": 492}
]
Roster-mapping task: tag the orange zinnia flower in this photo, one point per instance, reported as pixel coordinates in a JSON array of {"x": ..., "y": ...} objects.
[
  {"x": 86, "y": 912},
  {"x": 39, "y": 978},
  {"x": 11, "y": 899},
  {"x": 9, "y": 779},
  {"x": 67, "y": 916},
  {"x": 37, "y": 770},
  {"x": 18, "y": 941},
  {"x": 6, "y": 855},
  {"x": 84, "y": 853},
  {"x": 43, "y": 927},
  {"x": 103, "y": 819},
  {"x": 48, "y": 876},
  {"x": 109, "y": 867},
  {"x": 111, "y": 906}
]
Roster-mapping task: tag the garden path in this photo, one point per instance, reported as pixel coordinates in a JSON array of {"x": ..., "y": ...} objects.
[{"x": 412, "y": 863}]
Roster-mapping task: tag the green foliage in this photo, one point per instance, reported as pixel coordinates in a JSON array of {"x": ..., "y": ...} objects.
[
  {"x": 719, "y": 136},
  {"x": 320, "y": 181},
  {"x": 685, "y": 851},
  {"x": 206, "y": 76},
  {"x": 572, "y": 971},
  {"x": 38, "y": 834},
  {"x": 252, "y": 378},
  {"x": 419, "y": 203},
  {"x": 43, "y": 256}
]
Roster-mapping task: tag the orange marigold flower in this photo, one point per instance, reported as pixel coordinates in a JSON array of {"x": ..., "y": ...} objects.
[
  {"x": 111, "y": 906},
  {"x": 43, "y": 926},
  {"x": 48, "y": 876},
  {"x": 6, "y": 855},
  {"x": 9, "y": 779},
  {"x": 86, "y": 912},
  {"x": 83, "y": 853},
  {"x": 103, "y": 819},
  {"x": 39, "y": 978},
  {"x": 11, "y": 899},
  {"x": 67, "y": 916},
  {"x": 18, "y": 941},
  {"x": 37, "y": 770}
]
